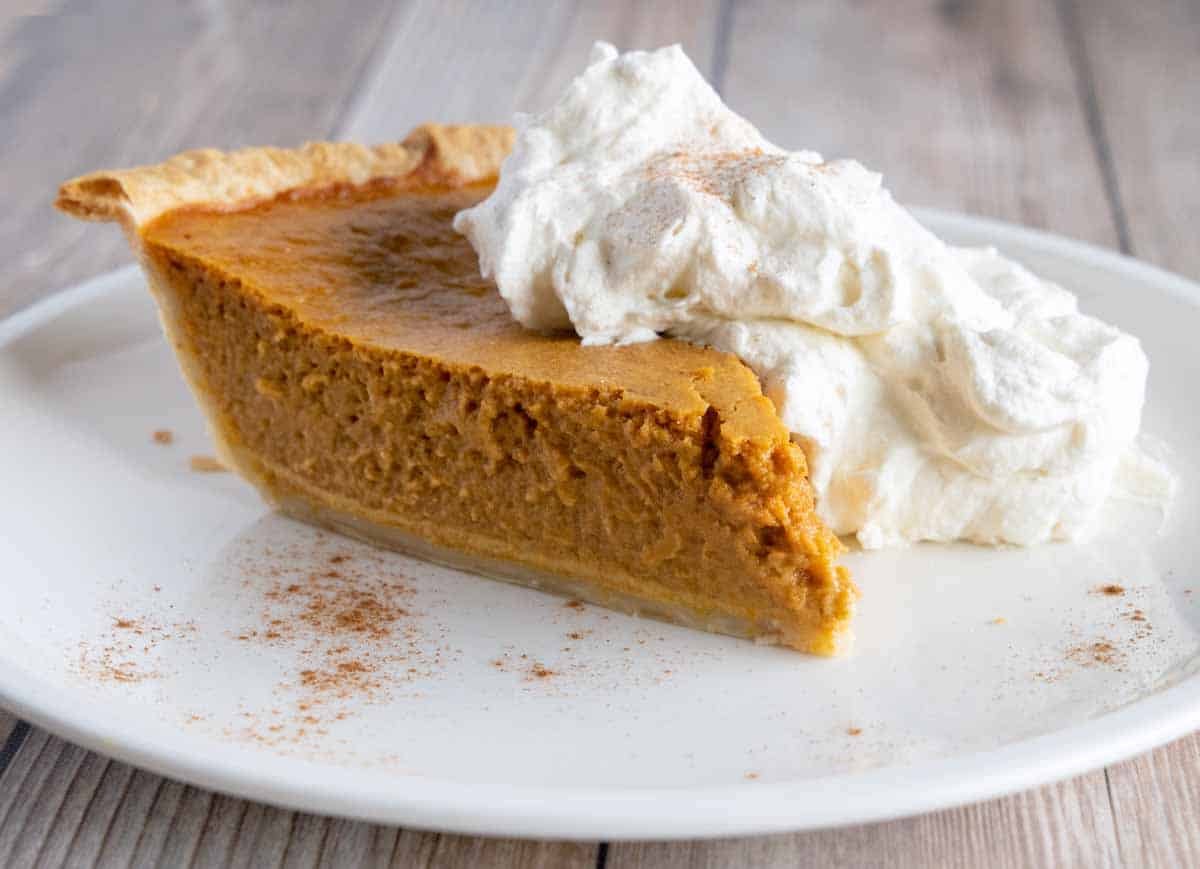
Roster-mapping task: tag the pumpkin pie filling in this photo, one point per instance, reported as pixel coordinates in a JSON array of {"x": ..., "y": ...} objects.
[{"x": 357, "y": 369}]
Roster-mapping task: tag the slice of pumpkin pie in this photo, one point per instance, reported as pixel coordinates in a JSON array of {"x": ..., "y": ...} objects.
[{"x": 355, "y": 367}]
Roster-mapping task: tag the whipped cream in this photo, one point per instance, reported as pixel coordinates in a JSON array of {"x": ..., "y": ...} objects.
[{"x": 939, "y": 393}]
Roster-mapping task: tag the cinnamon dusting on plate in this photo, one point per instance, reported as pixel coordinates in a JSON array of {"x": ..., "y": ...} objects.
[
  {"x": 1099, "y": 652},
  {"x": 128, "y": 652},
  {"x": 205, "y": 465},
  {"x": 345, "y": 628},
  {"x": 1127, "y": 629}
]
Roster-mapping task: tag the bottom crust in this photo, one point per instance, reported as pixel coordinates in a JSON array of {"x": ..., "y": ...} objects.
[
  {"x": 291, "y": 497},
  {"x": 399, "y": 540}
]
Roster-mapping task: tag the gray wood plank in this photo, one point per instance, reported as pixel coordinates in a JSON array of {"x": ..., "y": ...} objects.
[
  {"x": 123, "y": 83},
  {"x": 969, "y": 106},
  {"x": 35, "y": 785},
  {"x": 1066, "y": 825},
  {"x": 1156, "y": 799},
  {"x": 13, "y": 734},
  {"x": 464, "y": 852},
  {"x": 545, "y": 44},
  {"x": 14, "y": 14},
  {"x": 142, "y": 813},
  {"x": 1144, "y": 59},
  {"x": 7, "y": 723}
]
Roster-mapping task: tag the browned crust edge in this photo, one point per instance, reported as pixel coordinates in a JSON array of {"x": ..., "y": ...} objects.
[{"x": 433, "y": 154}]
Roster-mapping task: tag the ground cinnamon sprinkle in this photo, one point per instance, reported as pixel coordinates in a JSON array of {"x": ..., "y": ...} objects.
[
  {"x": 716, "y": 173},
  {"x": 163, "y": 436},
  {"x": 128, "y": 652},
  {"x": 332, "y": 603},
  {"x": 342, "y": 680},
  {"x": 347, "y": 623},
  {"x": 1113, "y": 649},
  {"x": 1099, "y": 652},
  {"x": 205, "y": 465},
  {"x": 853, "y": 731}
]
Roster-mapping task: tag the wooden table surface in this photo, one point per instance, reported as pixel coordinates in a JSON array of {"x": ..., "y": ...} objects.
[{"x": 1079, "y": 117}]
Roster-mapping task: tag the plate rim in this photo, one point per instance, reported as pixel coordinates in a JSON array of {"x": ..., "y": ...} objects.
[{"x": 614, "y": 814}]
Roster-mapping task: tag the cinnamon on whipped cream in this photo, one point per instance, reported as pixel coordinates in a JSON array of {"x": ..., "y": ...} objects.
[{"x": 939, "y": 393}]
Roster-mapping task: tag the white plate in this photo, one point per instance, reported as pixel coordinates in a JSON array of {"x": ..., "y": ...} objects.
[{"x": 642, "y": 730}]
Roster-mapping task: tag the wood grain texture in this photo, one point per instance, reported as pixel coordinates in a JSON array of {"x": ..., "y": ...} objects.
[
  {"x": 445, "y": 62},
  {"x": 1064, "y": 825},
  {"x": 1156, "y": 802},
  {"x": 1029, "y": 111},
  {"x": 121, "y": 83},
  {"x": 1144, "y": 59},
  {"x": 63, "y": 806},
  {"x": 12, "y": 735},
  {"x": 963, "y": 105}
]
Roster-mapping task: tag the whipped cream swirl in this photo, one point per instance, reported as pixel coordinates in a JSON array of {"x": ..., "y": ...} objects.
[{"x": 939, "y": 393}]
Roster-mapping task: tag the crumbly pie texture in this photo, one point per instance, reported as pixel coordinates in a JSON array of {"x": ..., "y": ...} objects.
[{"x": 758, "y": 563}]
